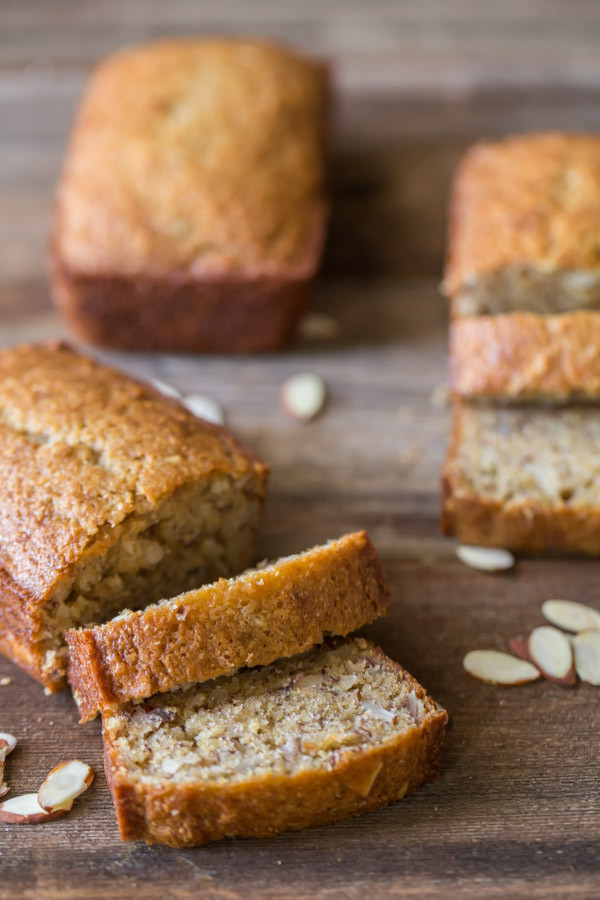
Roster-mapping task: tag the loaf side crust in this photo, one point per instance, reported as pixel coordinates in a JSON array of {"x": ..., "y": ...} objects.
[
  {"x": 527, "y": 526},
  {"x": 525, "y": 356},
  {"x": 528, "y": 199},
  {"x": 191, "y": 814},
  {"x": 82, "y": 449},
  {"x": 267, "y": 614}
]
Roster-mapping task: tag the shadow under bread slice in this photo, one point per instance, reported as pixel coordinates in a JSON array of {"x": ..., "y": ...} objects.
[
  {"x": 279, "y": 610},
  {"x": 111, "y": 496},
  {"x": 306, "y": 741},
  {"x": 525, "y": 478}
]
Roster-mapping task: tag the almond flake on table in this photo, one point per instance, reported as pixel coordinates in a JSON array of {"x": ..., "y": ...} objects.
[
  {"x": 486, "y": 559},
  {"x": 495, "y": 667},
  {"x": 303, "y": 395},
  {"x": 204, "y": 408}
]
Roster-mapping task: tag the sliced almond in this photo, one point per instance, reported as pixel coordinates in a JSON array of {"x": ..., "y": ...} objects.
[
  {"x": 25, "y": 810},
  {"x": 303, "y": 396},
  {"x": 11, "y": 741},
  {"x": 167, "y": 389},
  {"x": 495, "y": 667},
  {"x": 64, "y": 783},
  {"x": 487, "y": 559},
  {"x": 204, "y": 408},
  {"x": 550, "y": 650},
  {"x": 586, "y": 647},
  {"x": 519, "y": 645},
  {"x": 318, "y": 327},
  {"x": 571, "y": 616}
]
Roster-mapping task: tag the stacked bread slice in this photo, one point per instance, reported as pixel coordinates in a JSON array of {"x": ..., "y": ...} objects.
[
  {"x": 523, "y": 281},
  {"x": 234, "y": 708}
]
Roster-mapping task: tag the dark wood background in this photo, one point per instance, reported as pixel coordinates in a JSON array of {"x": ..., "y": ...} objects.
[{"x": 516, "y": 812}]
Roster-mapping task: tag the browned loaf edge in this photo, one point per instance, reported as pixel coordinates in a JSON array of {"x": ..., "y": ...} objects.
[
  {"x": 525, "y": 356},
  {"x": 271, "y": 613},
  {"x": 50, "y": 547},
  {"x": 360, "y": 781},
  {"x": 525, "y": 527},
  {"x": 231, "y": 307}
]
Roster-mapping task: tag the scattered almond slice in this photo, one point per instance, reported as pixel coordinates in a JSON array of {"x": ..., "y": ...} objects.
[
  {"x": 495, "y": 667},
  {"x": 167, "y": 389},
  {"x": 204, "y": 408},
  {"x": 303, "y": 396},
  {"x": 11, "y": 741},
  {"x": 487, "y": 559},
  {"x": 550, "y": 650},
  {"x": 571, "y": 616},
  {"x": 586, "y": 647},
  {"x": 25, "y": 810},
  {"x": 63, "y": 784},
  {"x": 519, "y": 645}
]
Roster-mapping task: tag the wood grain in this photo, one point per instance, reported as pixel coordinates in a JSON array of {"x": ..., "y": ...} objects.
[{"x": 516, "y": 812}]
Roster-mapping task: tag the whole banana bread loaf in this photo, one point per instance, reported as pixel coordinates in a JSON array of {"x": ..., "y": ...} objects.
[
  {"x": 191, "y": 212},
  {"x": 111, "y": 496}
]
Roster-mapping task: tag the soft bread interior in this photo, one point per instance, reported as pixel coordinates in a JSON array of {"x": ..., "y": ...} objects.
[{"x": 528, "y": 289}]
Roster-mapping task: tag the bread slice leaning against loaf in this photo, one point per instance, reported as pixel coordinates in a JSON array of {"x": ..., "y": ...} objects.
[
  {"x": 523, "y": 357},
  {"x": 306, "y": 741},
  {"x": 525, "y": 478},
  {"x": 112, "y": 496},
  {"x": 279, "y": 610}
]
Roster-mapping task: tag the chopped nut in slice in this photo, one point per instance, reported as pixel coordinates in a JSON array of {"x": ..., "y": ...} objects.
[
  {"x": 499, "y": 668},
  {"x": 571, "y": 616},
  {"x": 63, "y": 784},
  {"x": 303, "y": 396},
  {"x": 25, "y": 810},
  {"x": 586, "y": 647},
  {"x": 550, "y": 650},
  {"x": 374, "y": 709},
  {"x": 487, "y": 559},
  {"x": 204, "y": 408}
]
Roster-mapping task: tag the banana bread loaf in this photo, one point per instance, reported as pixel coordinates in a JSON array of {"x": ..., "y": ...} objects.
[
  {"x": 526, "y": 356},
  {"x": 306, "y": 741},
  {"x": 111, "y": 496},
  {"x": 277, "y": 610},
  {"x": 191, "y": 211},
  {"x": 525, "y": 478},
  {"x": 524, "y": 222}
]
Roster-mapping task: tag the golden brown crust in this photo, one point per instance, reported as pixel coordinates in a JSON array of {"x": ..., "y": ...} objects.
[
  {"x": 531, "y": 199},
  {"x": 223, "y": 239},
  {"x": 525, "y": 526},
  {"x": 525, "y": 356},
  {"x": 82, "y": 447},
  {"x": 184, "y": 815},
  {"x": 271, "y": 613}
]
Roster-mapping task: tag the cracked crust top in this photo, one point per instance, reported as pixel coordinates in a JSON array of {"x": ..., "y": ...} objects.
[
  {"x": 530, "y": 199},
  {"x": 82, "y": 446},
  {"x": 196, "y": 158}
]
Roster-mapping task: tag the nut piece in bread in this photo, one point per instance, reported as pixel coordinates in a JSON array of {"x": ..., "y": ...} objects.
[
  {"x": 275, "y": 611},
  {"x": 191, "y": 212},
  {"x": 523, "y": 223},
  {"x": 112, "y": 497},
  {"x": 306, "y": 741}
]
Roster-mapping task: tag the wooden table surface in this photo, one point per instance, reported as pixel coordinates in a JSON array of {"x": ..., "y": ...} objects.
[{"x": 516, "y": 811}]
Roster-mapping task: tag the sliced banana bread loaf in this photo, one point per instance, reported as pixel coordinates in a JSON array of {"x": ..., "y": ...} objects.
[
  {"x": 525, "y": 478},
  {"x": 278, "y": 610},
  {"x": 303, "y": 742},
  {"x": 111, "y": 496},
  {"x": 524, "y": 223},
  {"x": 526, "y": 356}
]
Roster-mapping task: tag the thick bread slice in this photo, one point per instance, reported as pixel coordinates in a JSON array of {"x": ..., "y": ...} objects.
[
  {"x": 525, "y": 478},
  {"x": 525, "y": 356},
  {"x": 524, "y": 219},
  {"x": 279, "y": 610},
  {"x": 304, "y": 742},
  {"x": 111, "y": 496}
]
